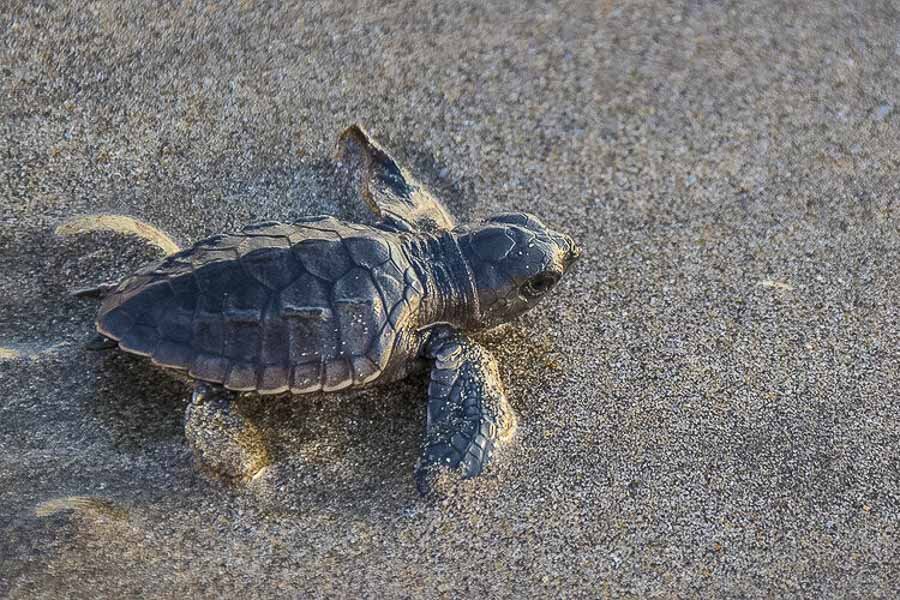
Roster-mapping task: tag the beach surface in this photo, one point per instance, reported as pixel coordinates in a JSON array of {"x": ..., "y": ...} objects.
[{"x": 708, "y": 405}]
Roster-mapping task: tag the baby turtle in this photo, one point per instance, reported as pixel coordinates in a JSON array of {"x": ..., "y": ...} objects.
[{"x": 326, "y": 305}]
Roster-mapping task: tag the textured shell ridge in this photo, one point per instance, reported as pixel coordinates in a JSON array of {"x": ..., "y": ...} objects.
[{"x": 307, "y": 306}]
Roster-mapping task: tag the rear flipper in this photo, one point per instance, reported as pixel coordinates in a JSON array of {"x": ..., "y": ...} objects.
[
  {"x": 98, "y": 343},
  {"x": 226, "y": 444},
  {"x": 96, "y": 292},
  {"x": 468, "y": 415}
]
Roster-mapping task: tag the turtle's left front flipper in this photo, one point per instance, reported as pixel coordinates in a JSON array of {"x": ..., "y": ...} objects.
[
  {"x": 401, "y": 202},
  {"x": 468, "y": 415}
]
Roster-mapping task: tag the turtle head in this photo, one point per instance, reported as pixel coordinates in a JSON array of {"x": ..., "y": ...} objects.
[{"x": 516, "y": 260}]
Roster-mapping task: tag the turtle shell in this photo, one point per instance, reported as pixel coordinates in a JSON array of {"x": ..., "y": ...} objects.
[{"x": 315, "y": 305}]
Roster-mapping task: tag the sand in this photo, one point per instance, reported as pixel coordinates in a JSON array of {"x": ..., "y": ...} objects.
[{"x": 707, "y": 407}]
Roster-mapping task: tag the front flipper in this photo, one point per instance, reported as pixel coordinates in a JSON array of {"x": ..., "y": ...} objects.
[
  {"x": 468, "y": 415},
  {"x": 391, "y": 192}
]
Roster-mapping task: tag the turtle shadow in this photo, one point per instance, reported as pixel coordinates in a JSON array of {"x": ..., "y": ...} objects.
[
  {"x": 351, "y": 452},
  {"x": 47, "y": 327},
  {"x": 37, "y": 310},
  {"x": 345, "y": 454},
  {"x": 280, "y": 193},
  {"x": 457, "y": 194},
  {"x": 137, "y": 403},
  {"x": 355, "y": 453}
]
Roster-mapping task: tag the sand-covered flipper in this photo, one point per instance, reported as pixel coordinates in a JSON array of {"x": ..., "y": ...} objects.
[
  {"x": 392, "y": 193},
  {"x": 225, "y": 443},
  {"x": 468, "y": 415}
]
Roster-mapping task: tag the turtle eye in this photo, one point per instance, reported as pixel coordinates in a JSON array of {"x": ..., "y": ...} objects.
[{"x": 539, "y": 285}]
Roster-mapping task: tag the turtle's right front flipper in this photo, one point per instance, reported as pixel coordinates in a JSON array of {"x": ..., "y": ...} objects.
[{"x": 468, "y": 415}]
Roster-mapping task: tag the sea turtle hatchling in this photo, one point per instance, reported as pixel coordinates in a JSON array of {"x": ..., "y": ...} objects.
[{"x": 326, "y": 305}]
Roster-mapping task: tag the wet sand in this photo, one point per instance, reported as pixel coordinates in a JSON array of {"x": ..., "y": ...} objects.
[{"x": 707, "y": 407}]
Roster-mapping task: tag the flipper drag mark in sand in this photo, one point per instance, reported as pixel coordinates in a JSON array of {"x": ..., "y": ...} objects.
[{"x": 119, "y": 224}]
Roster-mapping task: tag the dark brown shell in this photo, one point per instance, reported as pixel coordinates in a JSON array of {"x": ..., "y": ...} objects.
[{"x": 316, "y": 305}]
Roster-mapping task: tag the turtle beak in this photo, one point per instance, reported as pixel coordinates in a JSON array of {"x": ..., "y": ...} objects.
[{"x": 572, "y": 251}]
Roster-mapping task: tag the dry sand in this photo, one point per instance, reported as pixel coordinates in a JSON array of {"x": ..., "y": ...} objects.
[{"x": 708, "y": 407}]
